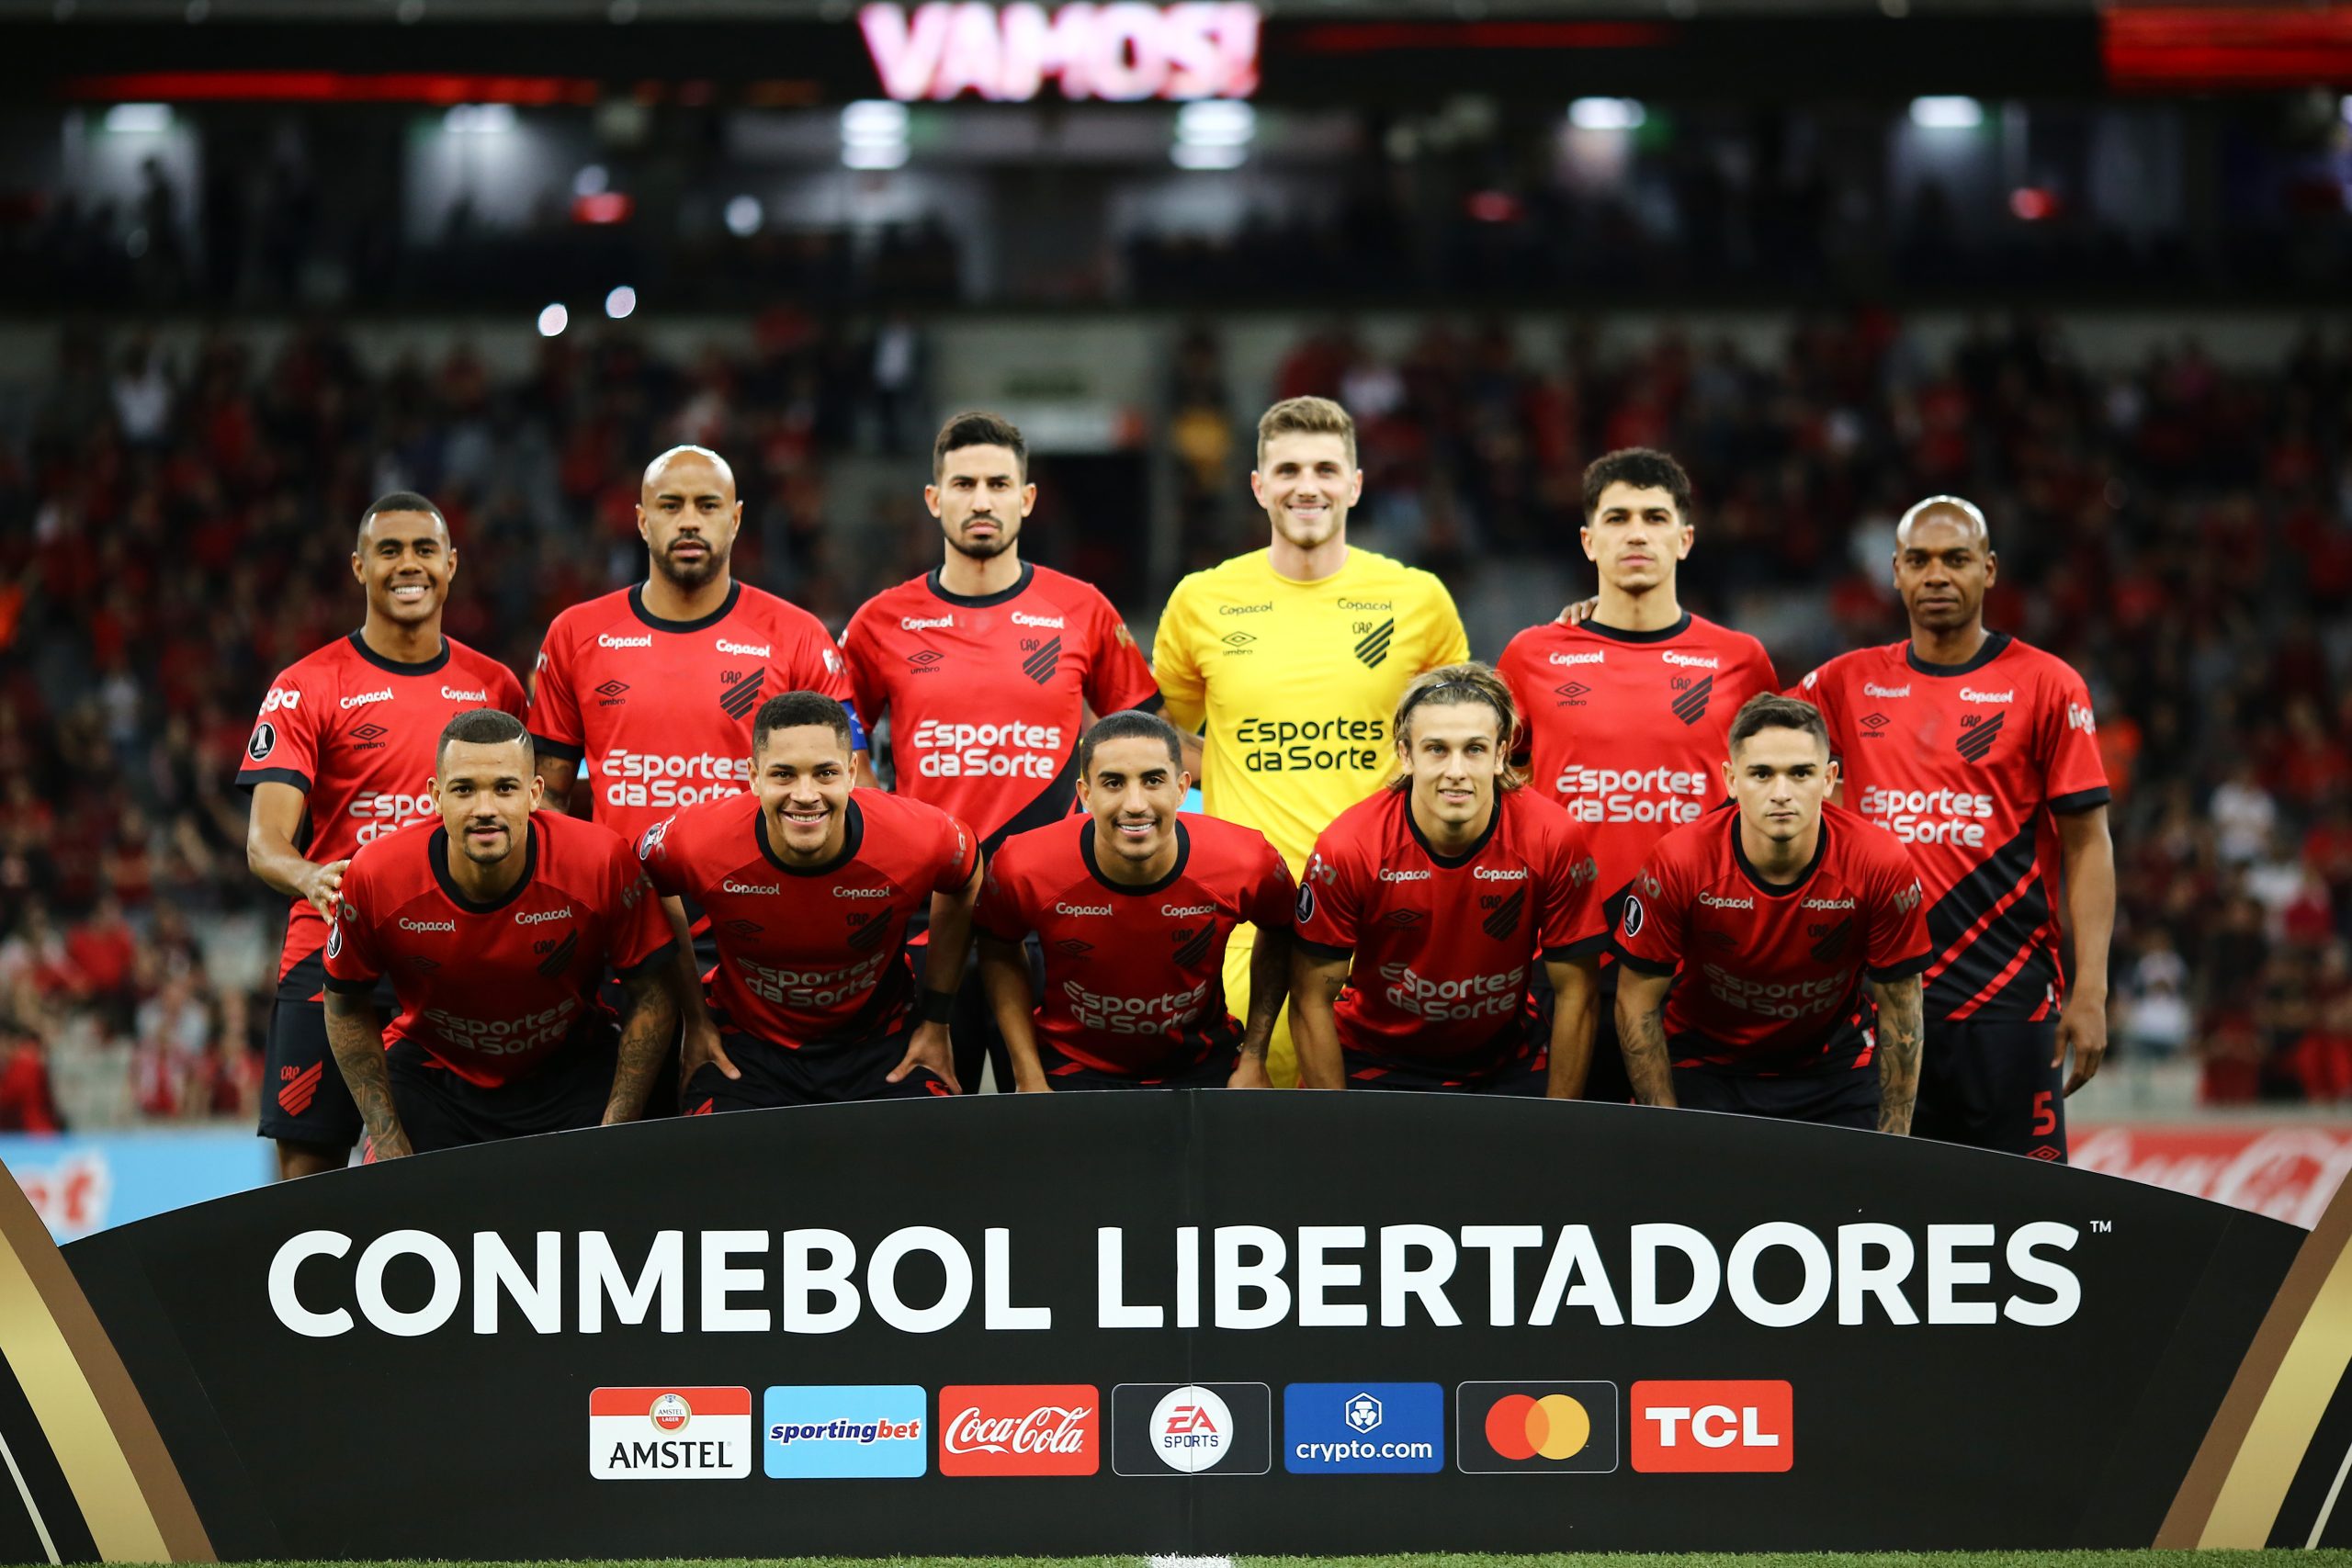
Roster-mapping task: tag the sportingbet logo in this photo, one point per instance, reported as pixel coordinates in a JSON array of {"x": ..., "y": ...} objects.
[
  {"x": 987, "y": 750},
  {"x": 1632, "y": 794},
  {"x": 1930, "y": 816},
  {"x": 826, "y": 1433},
  {"x": 647, "y": 778},
  {"x": 669, "y": 1434},
  {"x": 1386, "y": 1429},
  {"x": 1224, "y": 1429},
  {"x": 1020, "y": 1429},
  {"x": 1713, "y": 1425}
]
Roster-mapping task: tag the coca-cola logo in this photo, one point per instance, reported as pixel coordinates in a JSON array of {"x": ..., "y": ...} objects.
[
  {"x": 1020, "y": 1429},
  {"x": 2288, "y": 1171}
]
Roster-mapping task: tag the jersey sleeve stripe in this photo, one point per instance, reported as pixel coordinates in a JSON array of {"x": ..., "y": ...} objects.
[
  {"x": 1596, "y": 943},
  {"x": 352, "y": 988},
  {"x": 559, "y": 749},
  {"x": 1640, "y": 966},
  {"x": 252, "y": 778},
  {"x": 1151, "y": 704},
  {"x": 1904, "y": 970},
  {"x": 666, "y": 954},
  {"x": 2082, "y": 800},
  {"x": 1322, "y": 950}
]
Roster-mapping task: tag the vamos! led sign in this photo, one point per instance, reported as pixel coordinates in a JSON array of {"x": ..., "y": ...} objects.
[{"x": 1123, "y": 52}]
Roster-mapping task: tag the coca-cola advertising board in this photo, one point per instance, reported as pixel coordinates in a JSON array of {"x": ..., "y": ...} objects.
[
  {"x": 2287, "y": 1170},
  {"x": 1197, "y": 1324}
]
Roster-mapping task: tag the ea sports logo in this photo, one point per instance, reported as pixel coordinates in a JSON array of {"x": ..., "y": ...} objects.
[
  {"x": 1191, "y": 1429},
  {"x": 671, "y": 1412}
]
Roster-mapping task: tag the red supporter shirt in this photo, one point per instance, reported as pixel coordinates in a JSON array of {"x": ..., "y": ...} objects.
[
  {"x": 1135, "y": 981},
  {"x": 1629, "y": 730},
  {"x": 810, "y": 957},
  {"x": 987, "y": 696},
  {"x": 662, "y": 710},
  {"x": 490, "y": 991},
  {"x": 1966, "y": 763},
  {"x": 356, "y": 734},
  {"x": 1443, "y": 943},
  {"x": 1772, "y": 976}
]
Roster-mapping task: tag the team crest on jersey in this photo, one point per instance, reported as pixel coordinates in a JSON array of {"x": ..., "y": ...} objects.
[
  {"x": 1194, "y": 946},
  {"x": 1691, "y": 702},
  {"x": 739, "y": 692},
  {"x": 1372, "y": 648},
  {"x": 1830, "y": 940},
  {"x": 1503, "y": 918},
  {"x": 263, "y": 742},
  {"x": 1039, "y": 663},
  {"x": 1977, "y": 735},
  {"x": 867, "y": 932}
]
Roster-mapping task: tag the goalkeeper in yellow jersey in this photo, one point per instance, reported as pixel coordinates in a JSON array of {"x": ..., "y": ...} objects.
[{"x": 1291, "y": 658}]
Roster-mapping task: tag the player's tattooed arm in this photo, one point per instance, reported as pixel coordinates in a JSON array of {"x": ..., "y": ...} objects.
[
  {"x": 1576, "y": 1016},
  {"x": 648, "y": 1023},
  {"x": 1316, "y": 978},
  {"x": 355, "y": 1035},
  {"x": 556, "y": 776},
  {"x": 1004, "y": 974},
  {"x": 1900, "y": 1033},
  {"x": 1641, "y": 1032},
  {"x": 1269, "y": 985}
]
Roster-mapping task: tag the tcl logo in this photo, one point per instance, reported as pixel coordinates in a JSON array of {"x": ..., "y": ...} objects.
[
  {"x": 1713, "y": 1425},
  {"x": 1020, "y": 1429}
]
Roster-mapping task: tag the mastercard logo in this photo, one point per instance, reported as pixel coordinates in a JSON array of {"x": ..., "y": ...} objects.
[{"x": 1555, "y": 1426}]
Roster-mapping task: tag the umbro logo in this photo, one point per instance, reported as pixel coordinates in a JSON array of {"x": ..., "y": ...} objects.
[
  {"x": 1073, "y": 948},
  {"x": 925, "y": 659},
  {"x": 2044, "y": 1153},
  {"x": 741, "y": 693},
  {"x": 424, "y": 963},
  {"x": 610, "y": 693},
  {"x": 1039, "y": 665},
  {"x": 1875, "y": 722},
  {"x": 1373, "y": 647},
  {"x": 1573, "y": 693},
  {"x": 1976, "y": 741},
  {"x": 743, "y": 928},
  {"x": 1405, "y": 918},
  {"x": 1236, "y": 640},
  {"x": 368, "y": 734}
]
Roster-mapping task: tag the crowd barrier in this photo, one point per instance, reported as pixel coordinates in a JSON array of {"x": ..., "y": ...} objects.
[{"x": 1180, "y": 1322}]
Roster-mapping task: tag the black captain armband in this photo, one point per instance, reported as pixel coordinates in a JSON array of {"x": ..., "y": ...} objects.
[{"x": 938, "y": 1007}]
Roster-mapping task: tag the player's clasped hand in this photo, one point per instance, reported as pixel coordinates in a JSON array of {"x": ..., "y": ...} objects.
[
  {"x": 1250, "y": 1072},
  {"x": 928, "y": 1046},
  {"x": 702, "y": 1045},
  {"x": 323, "y": 886}
]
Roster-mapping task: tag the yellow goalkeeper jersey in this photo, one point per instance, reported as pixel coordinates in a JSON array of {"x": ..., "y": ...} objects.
[{"x": 1296, "y": 682}]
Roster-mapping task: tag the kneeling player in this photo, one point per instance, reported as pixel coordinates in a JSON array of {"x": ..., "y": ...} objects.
[
  {"x": 1133, "y": 907},
  {"x": 1777, "y": 915},
  {"x": 1426, "y": 907},
  {"x": 494, "y": 926},
  {"x": 808, "y": 883}
]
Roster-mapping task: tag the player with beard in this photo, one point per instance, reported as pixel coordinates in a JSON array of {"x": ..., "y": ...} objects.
[
  {"x": 494, "y": 926},
  {"x": 1294, "y": 656},
  {"x": 1426, "y": 909},
  {"x": 653, "y": 687},
  {"x": 988, "y": 668},
  {"x": 1982, "y": 753},
  {"x": 340, "y": 756},
  {"x": 1628, "y": 697},
  {"x": 810, "y": 883},
  {"x": 1134, "y": 909},
  {"x": 1750, "y": 939}
]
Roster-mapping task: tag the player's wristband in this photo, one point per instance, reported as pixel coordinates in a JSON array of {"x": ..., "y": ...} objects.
[{"x": 938, "y": 1007}]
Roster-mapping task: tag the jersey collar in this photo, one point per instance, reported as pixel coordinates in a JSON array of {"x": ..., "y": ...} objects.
[
  {"x": 1996, "y": 643},
  {"x": 853, "y": 837},
  {"x": 1478, "y": 847},
  {"x": 426, "y": 667},
  {"x": 637, "y": 607},
  {"x": 979, "y": 600},
  {"x": 437, "y": 854},
  {"x": 1755, "y": 879},
  {"x": 1664, "y": 634},
  {"x": 1095, "y": 868}
]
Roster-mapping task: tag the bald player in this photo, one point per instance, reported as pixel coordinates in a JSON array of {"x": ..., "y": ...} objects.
[{"x": 1982, "y": 754}]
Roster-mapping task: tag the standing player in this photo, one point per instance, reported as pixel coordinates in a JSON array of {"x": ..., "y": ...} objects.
[
  {"x": 988, "y": 667},
  {"x": 494, "y": 926},
  {"x": 1425, "y": 908},
  {"x": 1627, "y": 709},
  {"x": 343, "y": 754},
  {"x": 809, "y": 883},
  {"x": 654, "y": 686},
  {"x": 1776, "y": 917},
  {"x": 1982, "y": 754},
  {"x": 1136, "y": 911},
  {"x": 1294, "y": 656}
]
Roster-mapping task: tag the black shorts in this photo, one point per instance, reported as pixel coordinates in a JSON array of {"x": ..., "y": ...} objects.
[
  {"x": 1527, "y": 1073},
  {"x": 1841, "y": 1097},
  {"x": 812, "y": 1075},
  {"x": 1990, "y": 1086},
  {"x": 303, "y": 1097},
  {"x": 1063, "y": 1072},
  {"x": 439, "y": 1109}
]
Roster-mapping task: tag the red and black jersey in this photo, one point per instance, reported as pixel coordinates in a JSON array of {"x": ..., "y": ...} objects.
[
  {"x": 662, "y": 710},
  {"x": 1444, "y": 944},
  {"x": 1629, "y": 730},
  {"x": 1135, "y": 981},
  {"x": 356, "y": 733},
  {"x": 987, "y": 696},
  {"x": 1967, "y": 763},
  {"x": 490, "y": 990},
  {"x": 816, "y": 956},
  {"x": 1772, "y": 976}
]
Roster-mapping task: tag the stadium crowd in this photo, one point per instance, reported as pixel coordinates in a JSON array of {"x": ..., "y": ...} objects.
[{"x": 171, "y": 532}]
